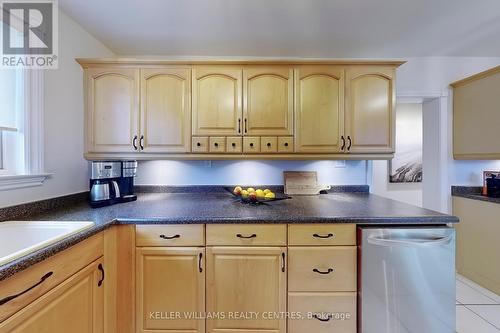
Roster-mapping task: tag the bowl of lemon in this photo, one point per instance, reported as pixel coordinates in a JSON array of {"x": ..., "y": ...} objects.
[{"x": 252, "y": 195}]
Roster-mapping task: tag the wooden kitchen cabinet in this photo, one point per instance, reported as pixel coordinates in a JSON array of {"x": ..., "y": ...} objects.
[
  {"x": 165, "y": 110},
  {"x": 369, "y": 109},
  {"x": 246, "y": 279},
  {"x": 319, "y": 109},
  {"x": 178, "y": 110},
  {"x": 217, "y": 100},
  {"x": 112, "y": 103},
  {"x": 76, "y": 306},
  {"x": 476, "y": 117},
  {"x": 268, "y": 100},
  {"x": 170, "y": 280}
]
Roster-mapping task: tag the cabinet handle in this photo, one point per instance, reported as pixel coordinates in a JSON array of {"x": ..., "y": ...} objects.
[
  {"x": 141, "y": 142},
  {"x": 245, "y": 125},
  {"x": 315, "y": 316},
  {"x": 323, "y": 236},
  {"x": 286, "y": 144},
  {"x": 343, "y": 143},
  {"x": 350, "y": 143},
  {"x": 233, "y": 144},
  {"x": 200, "y": 268},
  {"x": 241, "y": 236},
  {"x": 170, "y": 237},
  {"x": 134, "y": 142},
  {"x": 251, "y": 144},
  {"x": 330, "y": 270},
  {"x": 283, "y": 262},
  {"x": 198, "y": 144},
  {"x": 10, "y": 298},
  {"x": 239, "y": 125},
  {"x": 102, "y": 275},
  {"x": 216, "y": 144},
  {"x": 269, "y": 144}
]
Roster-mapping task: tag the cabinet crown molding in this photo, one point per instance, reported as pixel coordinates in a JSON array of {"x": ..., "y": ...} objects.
[{"x": 96, "y": 62}]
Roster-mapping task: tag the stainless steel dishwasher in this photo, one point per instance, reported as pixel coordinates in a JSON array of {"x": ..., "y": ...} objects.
[{"x": 406, "y": 280}]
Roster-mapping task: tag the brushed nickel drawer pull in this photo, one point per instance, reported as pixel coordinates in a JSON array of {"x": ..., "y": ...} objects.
[
  {"x": 241, "y": 236},
  {"x": 10, "y": 298},
  {"x": 324, "y": 236},
  {"x": 170, "y": 237},
  {"x": 330, "y": 270}
]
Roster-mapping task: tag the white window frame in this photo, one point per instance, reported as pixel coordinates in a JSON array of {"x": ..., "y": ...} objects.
[{"x": 33, "y": 134}]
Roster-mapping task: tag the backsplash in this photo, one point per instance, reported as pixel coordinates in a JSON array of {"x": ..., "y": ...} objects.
[{"x": 246, "y": 172}]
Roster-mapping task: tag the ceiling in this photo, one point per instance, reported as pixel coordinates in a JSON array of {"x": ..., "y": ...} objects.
[{"x": 292, "y": 28}]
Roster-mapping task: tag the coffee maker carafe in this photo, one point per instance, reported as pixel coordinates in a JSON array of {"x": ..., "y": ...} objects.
[{"x": 104, "y": 183}]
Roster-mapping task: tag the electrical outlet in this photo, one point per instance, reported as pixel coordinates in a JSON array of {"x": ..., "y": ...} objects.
[{"x": 340, "y": 164}]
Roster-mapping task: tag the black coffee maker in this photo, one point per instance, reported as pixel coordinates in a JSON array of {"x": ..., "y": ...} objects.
[
  {"x": 493, "y": 186},
  {"x": 126, "y": 181}
]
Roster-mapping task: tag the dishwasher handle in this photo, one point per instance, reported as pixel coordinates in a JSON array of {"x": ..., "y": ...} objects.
[{"x": 427, "y": 241}]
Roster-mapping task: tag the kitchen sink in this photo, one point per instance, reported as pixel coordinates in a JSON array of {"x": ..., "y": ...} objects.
[{"x": 19, "y": 238}]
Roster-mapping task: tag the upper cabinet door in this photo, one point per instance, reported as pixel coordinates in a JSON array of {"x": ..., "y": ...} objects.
[
  {"x": 319, "y": 109},
  {"x": 217, "y": 100},
  {"x": 268, "y": 100},
  {"x": 112, "y": 109},
  {"x": 165, "y": 110},
  {"x": 370, "y": 106}
]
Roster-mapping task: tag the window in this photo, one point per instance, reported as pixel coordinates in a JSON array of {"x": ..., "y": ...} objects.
[
  {"x": 11, "y": 82},
  {"x": 21, "y": 128}
]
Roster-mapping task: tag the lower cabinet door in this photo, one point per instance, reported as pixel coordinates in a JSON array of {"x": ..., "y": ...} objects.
[
  {"x": 322, "y": 312},
  {"x": 170, "y": 289},
  {"x": 75, "y": 306},
  {"x": 246, "y": 289}
]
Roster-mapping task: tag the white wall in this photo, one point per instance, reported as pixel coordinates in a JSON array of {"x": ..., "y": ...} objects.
[
  {"x": 63, "y": 118},
  {"x": 432, "y": 76},
  {"x": 247, "y": 172},
  {"x": 408, "y": 124}
]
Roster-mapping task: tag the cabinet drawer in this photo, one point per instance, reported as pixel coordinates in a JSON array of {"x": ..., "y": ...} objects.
[
  {"x": 217, "y": 144},
  {"x": 199, "y": 144},
  {"x": 322, "y": 268},
  {"x": 169, "y": 235},
  {"x": 52, "y": 271},
  {"x": 233, "y": 144},
  {"x": 246, "y": 234},
  {"x": 251, "y": 144},
  {"x": 322, "y": 234},
  {"x": 285, "y": 144},
  {"x": 337, "y": 311},
  {"x": 268, "y": 144}
]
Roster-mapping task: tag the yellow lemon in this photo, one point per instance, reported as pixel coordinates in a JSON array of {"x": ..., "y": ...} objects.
[
  {"x": 266, "y": 191},
  {"x": 260, "y": 193},
  {"x": 270, "y": 195},
  {"x": 237, "y": 190},
  {"x": 244, "y": 193},
  {"x": 250, "y": 190}
]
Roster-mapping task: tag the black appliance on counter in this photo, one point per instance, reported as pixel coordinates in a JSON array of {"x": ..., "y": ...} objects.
[
  {"x": 493, "y": 186},
  {"x": 126, "y": 183},
  {"x": 111, "y": 182}
]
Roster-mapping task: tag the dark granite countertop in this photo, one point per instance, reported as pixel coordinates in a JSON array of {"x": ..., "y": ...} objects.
[
  {"x": 472, "y": 192},
  {"x": 185, "y": 208}
]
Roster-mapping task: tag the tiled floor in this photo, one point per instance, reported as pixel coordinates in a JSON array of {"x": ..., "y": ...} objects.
[{"x": 478, "y": 309}]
